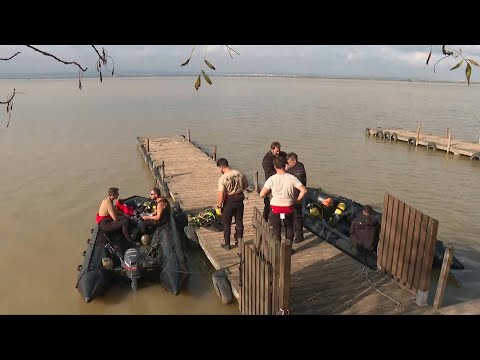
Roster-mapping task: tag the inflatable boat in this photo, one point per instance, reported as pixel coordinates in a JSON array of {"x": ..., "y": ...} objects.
[
  {"x": 329, "y": 216},
  {"x": 109, "y": 258}
]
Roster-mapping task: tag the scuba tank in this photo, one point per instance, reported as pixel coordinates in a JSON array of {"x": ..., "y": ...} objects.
[{"x": 337, "y": 214}]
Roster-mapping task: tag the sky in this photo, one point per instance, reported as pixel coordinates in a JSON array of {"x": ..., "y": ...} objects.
[{"x": 368, "y": 61}]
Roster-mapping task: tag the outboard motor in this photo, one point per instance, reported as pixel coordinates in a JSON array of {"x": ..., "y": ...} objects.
[{"x": 132, "y": 266}]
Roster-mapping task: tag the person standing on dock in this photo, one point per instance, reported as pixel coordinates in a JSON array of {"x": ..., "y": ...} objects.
[
  {"x": 282, "y": 186},
  {"x": 297, "y": 169},
  {"x": 269, "y": 169},
  {"x": 230, "y": 198}
]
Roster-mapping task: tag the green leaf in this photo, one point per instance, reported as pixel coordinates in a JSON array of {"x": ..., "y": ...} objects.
[
  {"x": 209, "y": 65},
  {"x": 197, "y": 83},
  {"x": 186, "y": 62},
  {"x": 429, "y": 56},
  {"x": 207, "y": 78},
  {"x": 456, "y": 66},
  {"x": 473, "y": 62},
  {"x": 468, "y": 72}
]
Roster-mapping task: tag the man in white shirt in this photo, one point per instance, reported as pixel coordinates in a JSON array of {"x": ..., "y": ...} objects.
[{"x": 282, "y": 186}]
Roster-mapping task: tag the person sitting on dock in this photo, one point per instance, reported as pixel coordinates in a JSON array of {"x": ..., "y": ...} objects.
[
  {"x": 282, "y": 186},
  {"x": 230, "y": 198},
  {"x": 109, "y": 219},
  {"x": 364, "y": 231},
  {"x": 297, "y": 169},
  {"x": 159, "y": 216}
]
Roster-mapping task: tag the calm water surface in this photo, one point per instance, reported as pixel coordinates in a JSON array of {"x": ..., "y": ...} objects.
[{"x": 64, "y": 148}]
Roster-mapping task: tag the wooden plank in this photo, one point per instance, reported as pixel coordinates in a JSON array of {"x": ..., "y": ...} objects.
[
  {"x": 285, "y": 263},
  {"x": 388, "y": 213},
  {"x": 250, "y": 281},
  {"x": 420, "y": 252},
  {"x": 391, "y": 241},
  {"x": 442, "y": 279},
  {"x": 413, "y": 256},
  {"x": 381, "y": 242},
  {"x": 261, "y": 278},
  {"x": 398, "y": 234},
  {"x": 427, "y": 261},
  {"x": 407, "y": 261},
  {"x": 257, "y": 285},
  {"x": 403, "y": 240}
]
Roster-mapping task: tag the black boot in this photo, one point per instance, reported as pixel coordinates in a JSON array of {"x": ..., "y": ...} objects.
[{"x": 225, "y": 246}]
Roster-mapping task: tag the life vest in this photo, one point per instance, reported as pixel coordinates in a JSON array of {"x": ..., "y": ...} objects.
[{"x": 128, "y": 210}]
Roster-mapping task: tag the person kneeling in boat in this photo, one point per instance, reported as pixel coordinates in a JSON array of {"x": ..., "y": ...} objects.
[
  {"x": 109, "y": 219},
  {"x": 363, "y": 231},
  {"x": 159, "y": 216}
]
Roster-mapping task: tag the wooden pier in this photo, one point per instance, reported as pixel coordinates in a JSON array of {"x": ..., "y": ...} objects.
[
  {"x": 430, "y": 142},
  {"x": 322, "y": 279}
]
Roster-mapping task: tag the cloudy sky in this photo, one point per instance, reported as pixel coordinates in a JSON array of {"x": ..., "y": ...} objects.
[{"x": 371, "y": 61}]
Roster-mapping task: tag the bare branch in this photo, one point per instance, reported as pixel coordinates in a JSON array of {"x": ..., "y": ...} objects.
[
  {"x": 446, "y": 52},
  {"x": 229, "y": 48},
  {"x": 9, "y": 98},
  {"x": 9, "y": 104},
  {"x": 56, "y": 58},
  {"x": 11, "y": 57}
]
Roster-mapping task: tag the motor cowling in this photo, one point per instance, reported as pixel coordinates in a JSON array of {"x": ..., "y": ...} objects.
[{"x": 132, "y": 263}]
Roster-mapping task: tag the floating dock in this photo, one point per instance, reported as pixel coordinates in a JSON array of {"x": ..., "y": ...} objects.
[
  {"x": 430, "y": 142},
  {"x": 323, "y": 279}
]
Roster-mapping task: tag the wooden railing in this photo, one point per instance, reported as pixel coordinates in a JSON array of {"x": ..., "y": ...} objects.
[
  {"x": 406, "y": 246},
  {"x": 264, "y": 271}
]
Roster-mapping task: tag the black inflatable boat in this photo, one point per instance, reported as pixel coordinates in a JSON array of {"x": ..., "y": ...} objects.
[
  {"x": 107, "y": 259},
  {"x": 331, "y": 219}
]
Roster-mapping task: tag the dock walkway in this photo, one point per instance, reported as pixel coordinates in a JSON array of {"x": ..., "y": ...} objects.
[{"x": 323, "y": 280}]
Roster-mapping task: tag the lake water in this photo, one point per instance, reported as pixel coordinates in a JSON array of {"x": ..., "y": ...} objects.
[{"x": 64, "y": 148}]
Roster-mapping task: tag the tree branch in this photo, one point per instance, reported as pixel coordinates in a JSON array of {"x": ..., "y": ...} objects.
[
  {"x": 56, "y": 58},
  {"x": 11, "y": 57}
]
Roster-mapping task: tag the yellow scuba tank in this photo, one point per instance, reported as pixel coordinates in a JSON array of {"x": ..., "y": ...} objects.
[
  {"x": 340, "y": 209},
  {"x": 315, "y": 210}
]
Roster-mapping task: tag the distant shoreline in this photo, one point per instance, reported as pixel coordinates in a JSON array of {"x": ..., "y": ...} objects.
[{"x": 62, "y": 77}]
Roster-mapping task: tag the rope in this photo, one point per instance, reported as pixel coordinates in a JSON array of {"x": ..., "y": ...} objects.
[{"x": 369, "y": 284}]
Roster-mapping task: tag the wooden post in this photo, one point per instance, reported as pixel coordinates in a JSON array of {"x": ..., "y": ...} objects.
[
  {"x": 163, "y": 171},
  {"x": 188, "y": 135},
  {"x": 442, "y": 280},
  {"x": 418, "y": 134},
  {"x": 446, "y": 133},
  {"x": 449, "y": 142},
  {"x": 255, "y": 182},
  {"x": 214, "y": 152},
  {"x": 284, "y": 276},
  {"x": 148, "y": 144}
]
